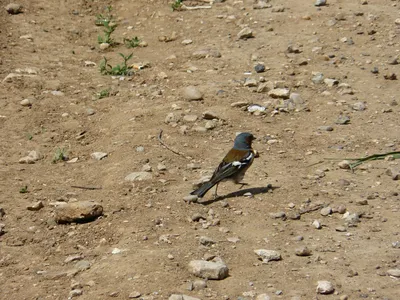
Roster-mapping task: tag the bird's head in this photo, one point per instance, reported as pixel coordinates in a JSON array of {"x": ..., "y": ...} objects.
[{"x": 244, "y": 140}]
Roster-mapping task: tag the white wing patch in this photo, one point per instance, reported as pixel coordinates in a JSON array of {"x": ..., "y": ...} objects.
[{"x": 244, "y": 162}]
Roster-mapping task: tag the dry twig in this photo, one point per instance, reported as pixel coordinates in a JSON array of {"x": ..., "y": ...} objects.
[{"x": 169, "y": 148}]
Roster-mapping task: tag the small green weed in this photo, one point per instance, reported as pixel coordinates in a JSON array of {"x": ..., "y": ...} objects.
[
  {"x": 60, "y": 155},
  {"x": 108, "y": 30},
  {"x": 124, "y": 69},
  {"x": 24, "y": 189},
  {"x": 106, "y": 18},
  {"x": 176, "y": 5},
  {"x": 132, "y": 43},
  {"x": 29, "y": 136},
  {"x": 103, "y": 94}
]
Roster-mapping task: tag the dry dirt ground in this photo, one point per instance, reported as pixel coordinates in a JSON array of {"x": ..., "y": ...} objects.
[{"x": 148, "y": 221}]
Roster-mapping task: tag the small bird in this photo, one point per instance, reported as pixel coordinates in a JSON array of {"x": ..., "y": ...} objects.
[{"x": 233, "y": 166}]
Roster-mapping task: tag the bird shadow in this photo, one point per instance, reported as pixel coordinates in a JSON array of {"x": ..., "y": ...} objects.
[{"x": 253, "y": 191}]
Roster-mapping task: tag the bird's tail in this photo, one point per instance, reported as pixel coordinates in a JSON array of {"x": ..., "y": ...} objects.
[{"x": 201, "y": 191}]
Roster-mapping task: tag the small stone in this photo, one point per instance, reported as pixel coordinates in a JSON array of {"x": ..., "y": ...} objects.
[
  {"x": 326, "y": 211},
  {"x": 206, "y": 241},
  {"x": 278, "y": 9},
  {"x": 98, "y": 155},
  {"x": 72, "y": 258},
  {"x": 375, "y": 70},
  {"x": 268, "y": 255},
  {"x": 394, "y": 272},
  {"x": 250, "y": 82},
  {"x": 344, "y": 297},
  {"x": 187, "y": 42},
  {"x": 204, "y": 53},
  {"x": 209, "y": 115},
  {"x": 331, "y": 82},
  {"x": 351, "y": 218},
  {"x": 83, "y": 265},
  {"x": 161, "y": 167},
  {"x": 191, "y": 93},
  {"x": 263, "y": 297},
  {"x": 262, "y": 4},
  {"x": 191, "y": 198},
  {"x": 278, "y": 215},
  {"x": 359, "y": 106},
  {"x": 259, "y": 68},
  {"x": 343, "y": 120},
  {"x": 390, "y": 76},
  {"x": 393, "y": 172},
  {"x": 190, "y": 118},
  {"x": 90, "y": 111},
  {"x": 104, "y": 46},
  {"x": 317, "y": 78},
  {"x": 325, "y": 287},
  {"x": 240, "y": 104},
  {"x": 210, "y": 125},
  {"x": 82, "y": 211},
  {"x": 199, "y": 284},
  {"x": 208, "y": 269},
  {"x": 362, "y": 202},
  {"x": 341, "y": 229},
  {"x": 75, "y": 293},
  {"x": 35, "y": 206},
  {"x": 147, "y": 168},
  {"x": 31, "y": 158},
  {"x": 180, "y": 297},
  {"x": 303, "y": 251},
  {"x": 138, "y": 176},
  {"x": 245, "y": 33},
  {"x": 26, "y": 102},
  {"x": 344, "y": 164},
  {"x": 134, "y": 295},
  {"x": 317, "y": 224},
  {"x": 14, "y": 8},
  {"x": 281, "y": 93},
  {"x": 325, "y": 128},
  {"x": 200, "y": 129}
]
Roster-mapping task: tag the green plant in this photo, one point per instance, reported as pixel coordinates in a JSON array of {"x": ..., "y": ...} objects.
[
  {"x": 24, "y": 189},
  {"x": 132, "y": 43},
  {"x": 103, "y": 94},
  {"x": 106, "y": 18},
  {"x": 176, "y": 5},
  {"x": 60, "y": 155},
  {"x": 29, "y": 136},
  {"x": 124, "y": 69},
  {"x": 108, "y": 30}
]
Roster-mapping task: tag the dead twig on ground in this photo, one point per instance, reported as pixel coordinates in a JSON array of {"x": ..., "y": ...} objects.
[
  {"x": 86, "y": 187},
  {"x": 169, "y": 148}
]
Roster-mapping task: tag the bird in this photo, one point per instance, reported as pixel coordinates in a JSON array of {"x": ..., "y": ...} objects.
[{"x": 234, "y": 165}]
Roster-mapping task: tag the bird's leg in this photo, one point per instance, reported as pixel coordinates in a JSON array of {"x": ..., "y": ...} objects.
[
  {"x": 242, "y": 184},
  {"x": 215, "y": 193}
]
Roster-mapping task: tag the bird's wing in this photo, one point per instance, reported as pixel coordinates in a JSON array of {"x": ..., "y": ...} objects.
[{"x": 228, "y": 169}]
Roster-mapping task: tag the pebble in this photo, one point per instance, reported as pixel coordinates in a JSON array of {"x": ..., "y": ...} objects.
[
  {"x": 75, "y": 293},
  {"x": 263, "y": 297},
  {"x": 208, "y": 269},
  {"x": 245, "y": 33},
  {"x": 394, "y": 272},
  {"x": 161, "y": 167},
  {"x": 362, "y": 202},
  {"x": 31, "y": 158},
  {"x": 317, "y": 224},
  {"x": 72, "y": 258},
  {"x": 147, "y": 168},
  {"x": 325, "y": 287},
  {"x": 83, "y": 265},
  {"x": 191, "y": 93},
  {"x": 259, "y": 68},
  {"x": 278, "y": 215},
  {"x": 262, "y": 4},
  {"x": 279, "y": 93},
  {"x": 14, "y": 8},
  {"x": 138, "y": 176},
  {"x": 303, "y": 251},
  {"x": 191, "y": 198},
  {"x": 187, "y": 42},
  {"x": 35, "y": 206},
  {"x": 344, "y": 164},
  {"x": 317, "y": 77},
  {"x": 190, "y": 118},
  {"x": 206, "y": 241},
  {"x": 268, "y": 255},
  {"x": 134, "y": 295},
  {"x": 343, "y": 120},
  {"x": 240, "y": 104},
  {"x": 341, "y": 229},
  {"x": 104, "y": 46},
  {"x": 26, "y": 102},
  {"x": 325, "y": 128},
  {"x": 331, "y": 82},
  {"x": 250, "y": 82},
  {"x": 397, "y": 21},
  {"x": 98, "y": 155},
  {"x": 181, "y": 297},
  {"x": 82, "y": 211},
  {"x": 209, "y": 115},
  {"x": 90, "y": 111},
  {"x": 359, "y": 106},
  {"x": 326, "y": 211},
  {"x": 210, "y": 125},
  {"x": 204, "y": 53},
  {"x": 199, "y": 284},
  {"x": 393, "y": 172},
  {"x": 2, "y": 231},
  {"x": 351, "y": 218}
]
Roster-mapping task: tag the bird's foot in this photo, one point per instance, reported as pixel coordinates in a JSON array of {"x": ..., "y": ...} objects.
[{"x": 242, "y": 185}]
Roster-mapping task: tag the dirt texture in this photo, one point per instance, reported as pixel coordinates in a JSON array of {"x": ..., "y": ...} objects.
[{"x": 326, "y": 222}]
